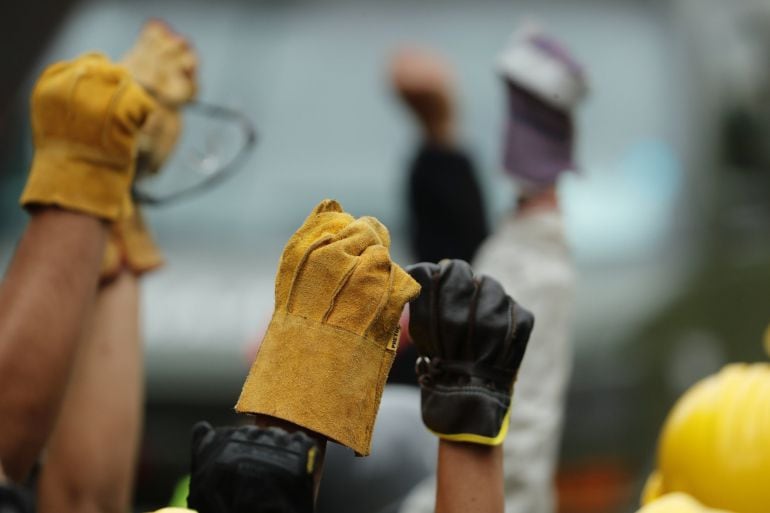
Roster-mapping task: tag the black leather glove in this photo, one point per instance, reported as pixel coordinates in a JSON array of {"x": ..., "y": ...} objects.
[
  {"x": 14, "y": 499},
  {"x": 471, "y": 337},
  {"x": 251, "y": 470}
]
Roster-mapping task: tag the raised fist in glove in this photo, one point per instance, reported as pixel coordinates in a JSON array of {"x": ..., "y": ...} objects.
[
  {"x": 471, "y": 338},
  {"x": 330, "y": 345},
  {"x": 86, "y": 116},
  {"x": 425, "y": 83},
  {"x": 165, "y": 64},
  {"x": 251, "y": 470}
]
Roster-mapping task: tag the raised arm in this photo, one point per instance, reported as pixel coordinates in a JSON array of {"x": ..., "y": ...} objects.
[
  {"x": 478, "y": 486},
  {"x": 471, "y": 337},
  {"x": 85, "y": 117},
  {"x": 44, "y": 299},
  {"x": 319, "y": 372},
  {"x": 82, "y": 455}
]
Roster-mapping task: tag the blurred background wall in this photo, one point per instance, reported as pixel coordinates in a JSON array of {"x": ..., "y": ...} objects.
[{"x": 669, "y": 216}]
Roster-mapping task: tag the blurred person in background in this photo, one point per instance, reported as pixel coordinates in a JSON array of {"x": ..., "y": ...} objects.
[
  {"x": 87, "y": 115},
  {"x": 84, "y": 469},
  {"x": 528, "y": 254},
  {"x": 446, "y": 209},
  {"x": 447, "y": 217}
]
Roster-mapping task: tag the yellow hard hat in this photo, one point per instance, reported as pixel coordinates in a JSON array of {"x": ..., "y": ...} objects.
[
  {"x": 715, "y": 446},
  {"x": 677, "y": 503}
]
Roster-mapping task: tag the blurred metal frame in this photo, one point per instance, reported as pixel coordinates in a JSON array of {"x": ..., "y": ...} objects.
[{"x": 225, "y": 171}]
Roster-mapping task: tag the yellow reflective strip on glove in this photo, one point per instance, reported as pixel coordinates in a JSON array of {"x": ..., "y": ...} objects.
[{"x": 473, "y": 438}]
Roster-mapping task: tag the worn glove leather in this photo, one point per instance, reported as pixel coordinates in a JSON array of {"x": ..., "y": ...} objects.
[
  {"x": 331, "y": 341},
  {"x": 249, "y": 469},
  {"x": 86, "y": 116},
  {"x": 164, "y": 63},
  {"x": 471, "y": 337}
]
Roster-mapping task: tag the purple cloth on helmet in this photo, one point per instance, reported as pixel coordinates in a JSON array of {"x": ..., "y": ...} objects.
[
  {"x": 538, "y": 140},
  {"x": 553, "y": 48}
]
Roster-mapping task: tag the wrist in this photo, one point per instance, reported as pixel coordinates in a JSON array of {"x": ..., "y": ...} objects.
[
  {"x": 44, "y": 214},
  {"x": 470, "y": 478},
  {"x": 92, "y": 186}
]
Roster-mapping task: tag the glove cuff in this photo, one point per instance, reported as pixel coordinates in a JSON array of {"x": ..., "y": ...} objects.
[
  {"x": 130, "y": 246},
  {"x": 319, "y": 377},
  {"x": 90, "y": 186},
  {"x": 462, "y": 406}
]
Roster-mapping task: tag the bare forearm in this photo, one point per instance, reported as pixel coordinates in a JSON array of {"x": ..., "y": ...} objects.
[
  {"x": 85, "y": 470},
  {"x": 44, "y": 298},
  {"x": 470, "y": 478}
]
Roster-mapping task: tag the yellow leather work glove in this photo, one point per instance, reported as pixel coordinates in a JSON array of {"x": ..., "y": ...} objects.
[
  {"x": 165, "y": 64},
  {"x": 86, "y": 115},
  {"x": 328, "y": 350}
]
